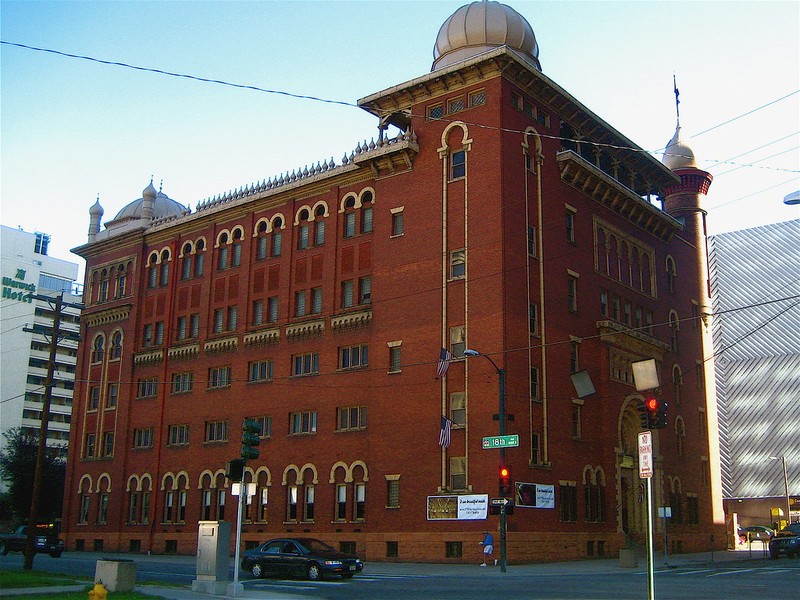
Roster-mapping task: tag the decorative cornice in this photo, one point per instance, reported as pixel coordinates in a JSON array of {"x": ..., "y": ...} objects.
[
  {"x": 148, "y": 356},
  {"x": 226, "y": 344},
  {"x": 632, "y": 340},
  {"x": 109, "y": 315},
  {"x": 183, "y": 352},
  {"x": 305, "y": 329},
  {"x": 265, "y": 337},
  {"x": 604, "y": 189},
  {"x": 351, "y": 320}
]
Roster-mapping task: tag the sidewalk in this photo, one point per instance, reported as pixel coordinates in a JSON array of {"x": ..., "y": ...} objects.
[{"x": 589, "y": 566}]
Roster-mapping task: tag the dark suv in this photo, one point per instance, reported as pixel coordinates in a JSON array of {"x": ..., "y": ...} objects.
[
  {"x": 787, "y": 540},
  {"x": 47, "y": 540}
]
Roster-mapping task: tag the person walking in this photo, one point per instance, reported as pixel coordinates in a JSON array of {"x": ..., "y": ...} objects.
[{"x": 488, "y": 548}]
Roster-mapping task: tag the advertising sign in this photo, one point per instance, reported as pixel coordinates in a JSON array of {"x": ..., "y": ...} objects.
[
  {"x": 468, "y": 507},
  {"x": 534, "y": 495}
]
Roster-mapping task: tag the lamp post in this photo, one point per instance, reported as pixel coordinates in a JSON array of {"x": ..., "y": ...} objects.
[
  {"x": 501, "y": 375},
  {"x": 786, "y": 488}
]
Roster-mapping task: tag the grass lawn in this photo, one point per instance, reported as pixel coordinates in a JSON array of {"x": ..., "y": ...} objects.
[{"x": 34, "y": 579}]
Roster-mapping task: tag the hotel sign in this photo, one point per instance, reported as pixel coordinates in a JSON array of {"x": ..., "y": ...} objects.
[{"x": 15, "y": 288}]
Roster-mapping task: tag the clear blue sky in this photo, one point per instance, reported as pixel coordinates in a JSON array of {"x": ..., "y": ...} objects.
[{"x": 73, "y": 129}]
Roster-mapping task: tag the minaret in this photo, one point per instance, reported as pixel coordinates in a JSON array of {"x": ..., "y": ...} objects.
[
  {"x": 684, "y": 202},
  {"x": 95, "y": 214},
  {"x": 149, "y": 196}
]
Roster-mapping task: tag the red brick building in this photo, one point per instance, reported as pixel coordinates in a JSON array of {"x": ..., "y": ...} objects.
[{"x": 494, "y": 212}]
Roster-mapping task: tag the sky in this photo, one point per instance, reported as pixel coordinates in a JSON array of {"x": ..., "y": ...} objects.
[{"x": 73, "y": 130}]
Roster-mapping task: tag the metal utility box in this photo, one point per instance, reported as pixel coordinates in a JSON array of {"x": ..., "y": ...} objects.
[{"x": 213, "y": 550}]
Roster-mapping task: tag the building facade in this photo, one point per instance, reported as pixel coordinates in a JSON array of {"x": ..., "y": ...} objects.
[
  {"x": 754, "y": 276},
  {"x": 32, "y": 280},
  {"x": 334, "y": 305}
]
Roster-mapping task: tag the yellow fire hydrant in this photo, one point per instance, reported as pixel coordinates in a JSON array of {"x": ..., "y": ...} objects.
[{"x": 98, "y": 592}]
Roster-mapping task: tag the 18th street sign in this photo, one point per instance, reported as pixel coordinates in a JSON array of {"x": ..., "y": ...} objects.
[{"x": 501, "y": 441}]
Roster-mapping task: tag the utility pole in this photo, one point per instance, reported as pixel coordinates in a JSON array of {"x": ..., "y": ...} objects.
[{"x": 55, "y": 335}]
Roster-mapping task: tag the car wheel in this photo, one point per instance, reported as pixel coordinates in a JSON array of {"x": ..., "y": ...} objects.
[
  {"x": 314, "y": 572},
  {"x": 257, "y": 571},
  {"x": 3, "y": 548},
  {"x": 347, "y": 575},
  {"x": 774, "y": 554},
  {"x": 56, "y": 554}
]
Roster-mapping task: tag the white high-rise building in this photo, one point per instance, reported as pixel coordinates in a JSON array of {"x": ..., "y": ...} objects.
[{"x": 26, "y": 322}]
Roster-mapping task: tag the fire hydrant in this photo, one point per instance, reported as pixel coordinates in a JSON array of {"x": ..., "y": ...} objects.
[{"x": 98, "y": 592}]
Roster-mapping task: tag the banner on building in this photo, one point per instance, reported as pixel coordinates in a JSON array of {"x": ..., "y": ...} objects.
[
  {"x": 534, "y": 495},
  {"x": 458, "y": 508}
]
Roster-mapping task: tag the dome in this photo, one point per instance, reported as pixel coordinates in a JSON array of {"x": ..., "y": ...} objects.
[
  {"x": 96, "y": 210},
  {"x": 481, "y": 26},
  {"x": 678, "y": 154},
  {"x": 164, "y": 206}
]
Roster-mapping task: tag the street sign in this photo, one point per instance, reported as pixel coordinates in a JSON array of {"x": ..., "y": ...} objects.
[
  {"x": 499, "y": 501},
  {"x": 645, "y": 454},
  {"x": 501, "y": 441}
]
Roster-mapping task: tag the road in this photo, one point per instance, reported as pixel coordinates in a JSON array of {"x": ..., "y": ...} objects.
[{"x": 756, "y": 577}]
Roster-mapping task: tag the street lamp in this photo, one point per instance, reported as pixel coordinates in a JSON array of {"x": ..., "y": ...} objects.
[
  {"x": 501, "y": 375},
  {"x": 786, "y": 488}
]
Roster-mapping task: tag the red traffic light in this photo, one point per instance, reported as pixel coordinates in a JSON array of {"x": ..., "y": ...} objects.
[
  {"x": 504, "y": 472},
  {"x": 651, "y": 404}
]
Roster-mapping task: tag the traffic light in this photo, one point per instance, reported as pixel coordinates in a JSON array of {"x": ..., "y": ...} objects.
[
  {"x": 654, "y": 413},
  {"x": 234, "y": 469},
  {"x": 251, "y": 430},
  {"x": 505, "y": 481},
  {"x": 651, "y": 404},
  {"x": 661, "y": 415},
  {"x": 644, "y": 418}
]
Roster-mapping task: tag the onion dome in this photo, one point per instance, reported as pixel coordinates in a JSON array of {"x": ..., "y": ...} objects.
[
  {"x": 678, "y": 154},
  {"x": 163, "y": 206},
  {"x": 481, "y": 26},
  {"x": 96, "y": 210}
]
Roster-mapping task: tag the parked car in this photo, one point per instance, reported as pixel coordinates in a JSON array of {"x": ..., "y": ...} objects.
[
  {"x": 756, "y": 532},
  {"x": 787, "y": 540},
  {"x": 299, "y": 557},
  {"x": 47, "y": 540}
]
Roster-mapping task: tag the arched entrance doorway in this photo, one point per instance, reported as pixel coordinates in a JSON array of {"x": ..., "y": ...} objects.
[{"x": 631, "y": 501}]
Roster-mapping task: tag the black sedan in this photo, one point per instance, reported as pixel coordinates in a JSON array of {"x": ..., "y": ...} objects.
[
  {"x": 787, "y": 540},
  {"x": 299, "y": 557}
]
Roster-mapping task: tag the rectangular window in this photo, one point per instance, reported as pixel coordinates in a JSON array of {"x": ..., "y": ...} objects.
[
  {"x": 604, "y": 303},
  {"x": 236, "y": 259},
  {"x": 319, "y": 233},
  {"x": 219, "y": 320},
  {"x": 436, "y": 112},
  {"x": 458, "y": 341},
  {"x": 341, "y": 502},
  {"x": 574, "y": 359},
  {"x": 102, "y": 512},
  {"x": 112, "y": 395},
  {"x": 308, "y": 506},
  {"x": 351, "y": 417},
  {"x": 568, "y": 503},
  {"x": 458, "y": 473},
  {"x": 347, "y": 294},
  {"x": 260, "y": 371},
  {"x": 108, "y": 443},
  {"x": 147, "y": 388},
  {"x": 316, "y": 300},
  {"x": 536, "y": 456},
  {"x": 219, "y": 377},
  {"x": 177, "y": 435},
  {"x": 198, "y": 265},
  {"x": 395, "y": 359},
  {"x": 305, "y": 364},
  {"x": 147, "y": 335},
  {"x": 265, "y": 425},
  {"x": 159, "y": 336},
  {"x": 393, "y": 494},
  {"x": 233, "y": 318},
  {"x": 222, "y": 264},
  {"x": 277, "y": 243},
  {"x": 152, "y": 277},
  {"x": 458, "y": 408},
  {"x": 143, "y": 438},
  {"x": 458, "y": 164},
  {"x": 477, "y": 98},
  {"x": 261, "y": 248},
  {"x": 272, "y": 309},
  {"x": 535, "y": 384},
  {"x": 458, "y": 264},
  {"x": 349, "y": 224},
  {"x": 258, "y": 312},
  {"x": 180, "y": 334},
  {"x": 291, "y": 508},
  {"x": 181, "y": 383},
  {"x": 94, "y": 398},
  {"x": 353, "y": 357},
  {"x": 531, "y": 241},
  {"x": 366, "y": 220},
  {"x": 302, "y": 422},
  {"x": 164, "y": 274},
  {"x": 397, "y": 222},
  {"x": 569, "y": 218},
  {"x": 576, "y": 420},
  {"x": 216, "y": 431},
  {"x": 88, "y": 449},
  {"x": 365, "y": 290},
  {"x": 455, "y": 105},
  {"x": 300, "y": 303},
  {"x": 572, "y": 294},
  {"x": 533, "y": 319},
  {"x": 627, "y": 313},
  {"x": 302, "y": 237}
]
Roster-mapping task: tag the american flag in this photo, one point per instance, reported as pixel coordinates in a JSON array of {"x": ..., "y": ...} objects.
[
  {"x": 444, "y": 362},
  {"x": 444, "y": 432}
]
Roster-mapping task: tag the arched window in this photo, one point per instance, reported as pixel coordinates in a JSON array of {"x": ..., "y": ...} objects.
[
  {"x": 97, "y": 348},
  {"x": 671, "y": 274},
  {"x": 116, "y": 345},
  {"x": 680, "y": 434},
  {"x": 103, "y": 286},
  {"x": 677, "y": 383},
  {"x": 673, "y": 330}
]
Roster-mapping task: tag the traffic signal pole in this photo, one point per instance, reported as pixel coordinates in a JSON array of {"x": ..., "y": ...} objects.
[{"x": 501, "y": 373}]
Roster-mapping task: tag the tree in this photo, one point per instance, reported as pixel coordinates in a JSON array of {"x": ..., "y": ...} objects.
[{"x": 17, "y": 466}]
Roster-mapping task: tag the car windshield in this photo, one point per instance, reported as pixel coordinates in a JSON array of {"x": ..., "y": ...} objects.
[{"x": 315, "y": 546}]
